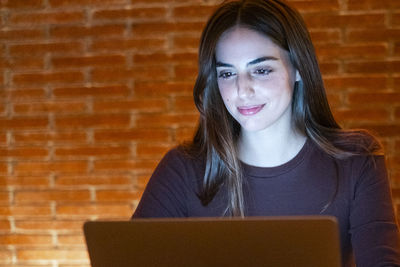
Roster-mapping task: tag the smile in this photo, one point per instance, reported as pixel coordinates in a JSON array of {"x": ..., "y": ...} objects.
[{"x": 250, "y": 110}]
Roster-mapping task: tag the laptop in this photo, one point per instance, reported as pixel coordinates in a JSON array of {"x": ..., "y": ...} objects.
[{"x": 207, "y": 242}]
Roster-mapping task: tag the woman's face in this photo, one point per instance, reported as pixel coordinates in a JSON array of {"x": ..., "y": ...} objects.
[{"x": 255, "y": 79}]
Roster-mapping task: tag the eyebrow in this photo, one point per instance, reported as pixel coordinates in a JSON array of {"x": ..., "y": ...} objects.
[{"x": 253, "y": 62}]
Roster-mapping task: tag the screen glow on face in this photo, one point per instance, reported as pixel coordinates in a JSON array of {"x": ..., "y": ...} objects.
[{"x": 255, "y": 79}]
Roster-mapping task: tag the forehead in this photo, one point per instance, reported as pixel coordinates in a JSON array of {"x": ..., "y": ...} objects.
[{"x": 240, "y": 43}]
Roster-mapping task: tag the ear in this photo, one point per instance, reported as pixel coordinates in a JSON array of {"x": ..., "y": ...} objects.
[{"x": 298, "y": 77}]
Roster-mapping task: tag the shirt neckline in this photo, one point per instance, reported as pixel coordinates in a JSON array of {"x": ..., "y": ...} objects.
[{"x": 269, "y": 172}]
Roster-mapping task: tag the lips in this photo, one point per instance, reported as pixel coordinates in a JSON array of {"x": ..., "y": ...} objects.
[{"x": 250, "y": 110}]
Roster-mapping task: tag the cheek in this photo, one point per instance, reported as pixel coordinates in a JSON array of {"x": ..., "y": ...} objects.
[{"x": 224, "y": 91}]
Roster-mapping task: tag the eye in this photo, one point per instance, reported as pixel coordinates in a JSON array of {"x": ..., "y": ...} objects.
[
  {"x": 226, "y": 74},
  {"x": 262, "y": 71}
]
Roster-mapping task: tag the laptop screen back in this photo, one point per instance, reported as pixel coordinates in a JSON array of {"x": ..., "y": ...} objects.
[{"x": 254, "y": 241}]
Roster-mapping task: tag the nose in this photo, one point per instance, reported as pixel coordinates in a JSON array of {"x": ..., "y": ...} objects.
[{"x": 244, "y": 86}]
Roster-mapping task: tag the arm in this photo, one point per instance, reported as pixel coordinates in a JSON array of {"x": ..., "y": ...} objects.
[
  {"x": 165, "y": 192},
  {"x": 374, "y": 232}
]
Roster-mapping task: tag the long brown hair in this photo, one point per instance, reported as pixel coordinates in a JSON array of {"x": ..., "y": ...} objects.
[{"x": 218, "y": 133}]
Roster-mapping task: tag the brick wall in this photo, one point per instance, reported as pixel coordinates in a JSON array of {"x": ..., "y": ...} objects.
[{"x": 93, "y": 92}]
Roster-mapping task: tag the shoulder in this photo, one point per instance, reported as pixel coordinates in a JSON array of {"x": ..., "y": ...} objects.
[
  {"x": 358, "y": 142},
  {"x": 358, "y": 161},
  {"x": 179, "y": 155},
  {"x": 178, "y": 162}
]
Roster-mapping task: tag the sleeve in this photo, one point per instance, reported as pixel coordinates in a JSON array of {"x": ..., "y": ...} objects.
[
  {"x": 165, "y": 193},
  {"x": 374, "y": 231}
]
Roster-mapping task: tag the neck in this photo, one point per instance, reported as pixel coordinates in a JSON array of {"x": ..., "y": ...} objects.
[{"x": 269, "y": 149}]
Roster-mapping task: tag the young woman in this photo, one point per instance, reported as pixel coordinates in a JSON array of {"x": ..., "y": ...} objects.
[{"x": 267, "y": 143}]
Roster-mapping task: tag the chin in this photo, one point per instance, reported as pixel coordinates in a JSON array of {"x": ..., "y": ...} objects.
[{"x": 252, "y": 127}]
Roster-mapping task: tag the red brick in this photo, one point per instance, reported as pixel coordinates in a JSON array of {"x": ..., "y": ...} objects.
[
  {"x": 125, "y": 165},
  {"x": 186, "y": 72},
  {"x": 383, "y": 130},
  {"x": 193, "y": 11},
  {"x": 373, "y": 66},
  {"x": 159, "y": 135},
  {"x": 72, "y": 32},
  {"x": 360, "y": 82},
  {"x": 6, "y": 256},
  {"x": 385, "y": 98},
  {"x": 3, "y": 138},
  {"x": 186, "y": 42},
  {"x": 77, "y": 240},
  {"x": 184, "y": 104},
  {"x": 396, "y": 80},
  {"x": 374, "y": 35},
  {"x": 30, "y": 181},
  {"x": 94, "y": 210},
  {"x": 316, "y": 5},
  {"x": 119, "y": 196},
  {"x": 47, "y": 47},
  {"x": 47, "y": 136},
  {"x": 23, "y": 63},
  {"x": 166, "y": 120},
  {"x": 372, "y": 4},
  {"x": 47, "y": 167},
  {"x": 85, "y": 121},
  {"x": 152, "y": 13},
  {"x": 365, "y": 114},
  {"x": 24, "y": 152},
  {"x": 163, "y": 88},
  {"x": 393, "y": 161},
  {"x": 396, "y": 193},
  {"x": 22, "y": 4},
  {"x": 46, "y": 107},
  {"x": 29, "y": 18},
  {"x": 97, "y": 151},
  {"x": 25, "y": 240},
  {"x": 88, "y": 61},
  {"x": 136, "y": 105},
  {"x": 12, "y": 35},
  {"x": 27, "y": 93},
  {"x": 3, "y": 93},
  {"x": 142, "y": 181},
  {"x": 331, "y": 52},
  {"x": 345, "y": 21},
  {"x": 162, "y": 28},
  {"x": 3, "y": 168},
  {"x": 5, "y": 197},
  {"x": 80, "y": 3},
  {"x": 396, "y": 48},
  {"x": 146, "y": 150},
  {"x": 331, "y": 36},
  {"x": 97, "y": 180},
  {"x": 396, "y": 18},
  {"x": 164, "y": 58},
  {"x": 48, "y": 78},
  {"x": 123, "y": 74},
  {"x": 144, "y": 44},
  {"x": 95, "y": 91},
  {"x": 24, "y": 122},
  {"x": 49, "y": 255},
  {"x": 49, "y": 225},
  {"x": 5, "y": 226},
  {"x": 27, "y": 63},
  {"x": 2, "y": 111},
  {"x": 22, "y": 197},
  {"x": 26, "y": 211}
]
